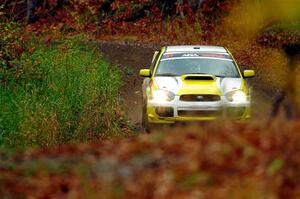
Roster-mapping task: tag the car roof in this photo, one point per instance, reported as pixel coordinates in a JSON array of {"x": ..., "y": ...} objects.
[{"x": 196, "y": 48}]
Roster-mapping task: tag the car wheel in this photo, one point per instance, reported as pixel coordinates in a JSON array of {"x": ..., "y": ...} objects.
[{"x": 145, "y": 122}]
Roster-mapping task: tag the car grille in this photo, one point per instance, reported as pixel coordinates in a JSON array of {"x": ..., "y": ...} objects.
[
  {"x": 200, "y": 113},
  {"x": 200, "y": 98}
]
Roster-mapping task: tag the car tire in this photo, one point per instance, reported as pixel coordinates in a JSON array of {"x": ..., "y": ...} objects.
[{"x": 145, "y": 122}]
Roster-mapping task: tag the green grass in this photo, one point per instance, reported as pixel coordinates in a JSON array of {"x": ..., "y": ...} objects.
[{"x": 65, "y": 93}]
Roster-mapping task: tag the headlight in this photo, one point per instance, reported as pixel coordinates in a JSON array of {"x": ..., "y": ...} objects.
[
  {"x": 236, "y": 96},
  {"x": 162, "y": 95}
]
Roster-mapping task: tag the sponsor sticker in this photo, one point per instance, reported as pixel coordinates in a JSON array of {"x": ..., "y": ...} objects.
[{"x": 196, "y": 55}]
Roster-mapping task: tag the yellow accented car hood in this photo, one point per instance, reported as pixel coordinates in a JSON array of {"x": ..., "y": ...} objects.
[{"x": 198, "y": 84}]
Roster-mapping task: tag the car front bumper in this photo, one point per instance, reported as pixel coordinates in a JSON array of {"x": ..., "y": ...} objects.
[{"x": 176, "y": 110}]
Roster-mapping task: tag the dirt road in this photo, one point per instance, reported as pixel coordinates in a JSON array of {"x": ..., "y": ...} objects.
[{"x": 131, "y": 57}]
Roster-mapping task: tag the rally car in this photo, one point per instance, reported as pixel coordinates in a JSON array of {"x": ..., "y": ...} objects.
[{"x": 194, "y": 83}]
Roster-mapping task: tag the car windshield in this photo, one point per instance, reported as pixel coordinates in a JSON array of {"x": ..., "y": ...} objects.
[{"x": 181, "y": 64}]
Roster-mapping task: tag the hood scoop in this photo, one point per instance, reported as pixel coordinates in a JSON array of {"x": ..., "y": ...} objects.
[{"x": 198, "y": 77}]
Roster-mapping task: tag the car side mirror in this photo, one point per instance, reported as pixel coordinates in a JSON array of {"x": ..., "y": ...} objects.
[
  {"x": 248, "y": 73},
  {"x": 145, "y": 73}
]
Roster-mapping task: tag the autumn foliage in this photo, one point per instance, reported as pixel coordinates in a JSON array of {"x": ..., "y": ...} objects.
[
  {"x": 210, "y": 161},
  {"x": 10, "y": 44},
  {"x": 183, "y": 21}
]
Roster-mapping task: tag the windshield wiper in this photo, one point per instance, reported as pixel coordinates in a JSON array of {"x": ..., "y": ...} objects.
[
  {"x": 166, "y": 74},
  {"x": 221, "y": 76},
  {"x": 225, "y": 76},
  {"x": 196, "y": 74}
]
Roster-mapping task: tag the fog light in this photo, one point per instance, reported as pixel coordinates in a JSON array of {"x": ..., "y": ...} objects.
[{"x": 164, "y": 111}]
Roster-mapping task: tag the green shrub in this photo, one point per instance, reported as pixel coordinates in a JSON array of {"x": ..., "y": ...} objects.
[{"x": 59, "y": 94}]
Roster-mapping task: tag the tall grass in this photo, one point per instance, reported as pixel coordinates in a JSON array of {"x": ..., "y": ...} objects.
[{"x": 64, "y": 93}]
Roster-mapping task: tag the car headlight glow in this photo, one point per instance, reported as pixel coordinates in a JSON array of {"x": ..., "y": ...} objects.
[
  {"x": 162, "y": 95},
  {"x": 236, "y": 96},
  {"x": 239, "y": 96}
]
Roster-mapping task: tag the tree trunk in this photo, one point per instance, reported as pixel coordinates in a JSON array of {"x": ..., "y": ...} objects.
[
  {"x": 180, "y": 8},
  {"x": 287, "y": 97},
  {"x": 195, "y": 4},
  {"x": 29, "y": 11}
]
